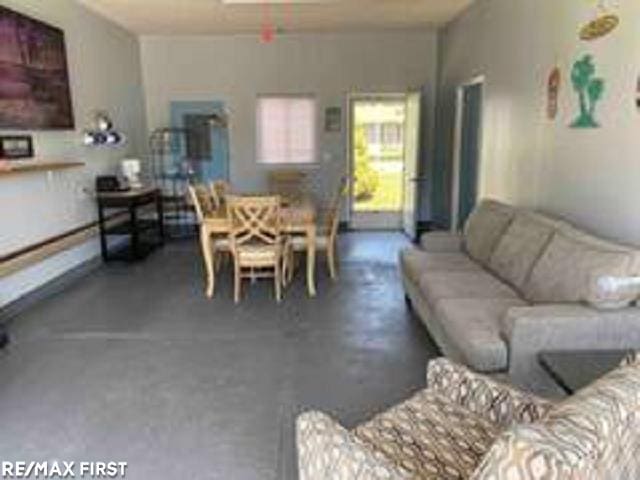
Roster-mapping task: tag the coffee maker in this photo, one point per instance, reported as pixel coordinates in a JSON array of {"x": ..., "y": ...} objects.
[{"x": 130, "y": 169}]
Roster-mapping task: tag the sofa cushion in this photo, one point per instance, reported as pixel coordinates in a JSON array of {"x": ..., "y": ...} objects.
[
  {"x": 569, "y": 269},
  {"x": 488, "y": 396},
  {"x": 602, "y": 244},
  {"x": 441, "y": 241},
  {"x": 416, "y": 262},
  {"x": 593, "y": 434},
  {"x": 430, "y": 436},
  {"x": 436, "y": 286},
  {"x": 473, "y": 327},
  {"x": 519, "y": 248},
  {"x": 484, "y": 227},
  {"x": 576, "y": 234},
  {"x": 327, "y": 450}
]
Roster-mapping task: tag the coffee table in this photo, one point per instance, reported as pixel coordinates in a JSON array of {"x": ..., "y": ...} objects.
[{"x": 573, "y": 370}]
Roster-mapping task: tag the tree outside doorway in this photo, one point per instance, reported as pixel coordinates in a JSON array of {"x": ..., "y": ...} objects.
[{"x": 378, "y": 143}]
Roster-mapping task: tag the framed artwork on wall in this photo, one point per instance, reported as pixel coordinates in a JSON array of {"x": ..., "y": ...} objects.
[
  {"x": 16, "y": 147},
  {"x": 34, "y": 81},
  {"x": 333, "y": 120}
]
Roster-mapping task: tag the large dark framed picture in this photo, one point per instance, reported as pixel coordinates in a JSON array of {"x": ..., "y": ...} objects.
[{"x": 34, "y": 80}]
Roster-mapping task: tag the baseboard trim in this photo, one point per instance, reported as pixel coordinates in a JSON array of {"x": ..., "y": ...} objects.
[
  {"x": 426, "y": 226},
  {"x": 54, "y": 286},
  {"x": 421, "y": 227}
]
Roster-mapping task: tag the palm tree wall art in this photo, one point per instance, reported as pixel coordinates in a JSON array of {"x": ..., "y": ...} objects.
[{"x": 589, "y": 89}]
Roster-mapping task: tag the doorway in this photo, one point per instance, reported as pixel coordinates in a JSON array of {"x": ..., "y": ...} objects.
[
  {"x": 207, "y": 139},
  {"x": 467, "y": 152},
  {"x": 379, "y": 132}
]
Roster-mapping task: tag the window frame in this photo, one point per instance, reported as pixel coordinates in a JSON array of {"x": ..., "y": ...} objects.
[{"x": 314, "y": 163}]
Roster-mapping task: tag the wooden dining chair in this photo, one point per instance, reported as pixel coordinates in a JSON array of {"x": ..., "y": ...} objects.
[
  {"x": 289, "y": 184},
  {"x": 219, "y": 189},
  {"x": 212, "y": 247},
  {"x": 256, "y": 241},
  {"x": 327, "y": 236},
  {"x": 201, "y": 200}
]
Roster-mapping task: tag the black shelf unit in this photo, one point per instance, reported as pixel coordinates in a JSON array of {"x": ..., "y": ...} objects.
[
  {"x": 172, "y": 172},
  {"x": 144, "y": 233}
]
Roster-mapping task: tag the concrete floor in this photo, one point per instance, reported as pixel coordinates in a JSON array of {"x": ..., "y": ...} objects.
[{"x": 133, "y": 364}]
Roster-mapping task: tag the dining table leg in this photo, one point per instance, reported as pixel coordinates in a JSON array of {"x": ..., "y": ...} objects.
[
  {"x": 311, "y": 259},
  {"x": 205, "y": 244}
]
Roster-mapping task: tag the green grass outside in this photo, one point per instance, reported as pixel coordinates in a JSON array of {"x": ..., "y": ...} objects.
[{"x": 388, "y": 195}]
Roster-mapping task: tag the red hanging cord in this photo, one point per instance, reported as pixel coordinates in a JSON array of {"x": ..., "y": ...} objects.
[
  {"x": 267, "y": 33},
  {"x": 288, "y": 14}
]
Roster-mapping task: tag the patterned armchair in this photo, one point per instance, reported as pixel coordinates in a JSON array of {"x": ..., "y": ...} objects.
[{"x": 468, "y": 426}]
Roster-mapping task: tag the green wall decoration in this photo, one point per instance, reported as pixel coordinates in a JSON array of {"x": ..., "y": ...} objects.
[{"x": 590, "y": 90}]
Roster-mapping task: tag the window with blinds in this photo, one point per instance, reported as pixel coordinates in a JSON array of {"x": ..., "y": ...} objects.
[{"x": 286, "y": 130}]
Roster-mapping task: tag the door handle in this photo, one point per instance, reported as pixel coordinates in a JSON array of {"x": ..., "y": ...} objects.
[{"x": 419, "y": 179}]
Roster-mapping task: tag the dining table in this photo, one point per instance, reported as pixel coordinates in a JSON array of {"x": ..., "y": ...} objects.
[{"x": 297, "y": 217}]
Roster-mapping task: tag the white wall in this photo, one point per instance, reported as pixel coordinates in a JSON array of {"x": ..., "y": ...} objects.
[
  {"x": 589, "y": 176},
  {"x": 104, "y": 69},
  {"x": 235, "y": 69}
]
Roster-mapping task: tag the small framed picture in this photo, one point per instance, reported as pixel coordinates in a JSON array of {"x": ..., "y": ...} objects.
[
  {"x": 333, "y": 119},
  {"x": 16, "y": 147}
]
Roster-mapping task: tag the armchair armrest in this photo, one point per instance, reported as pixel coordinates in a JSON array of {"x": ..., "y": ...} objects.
[
  {"x": 445, "y": 242},
  {"x": 483, "y": 395},
  {"x": 328, "y": 450},
  {"x": 530, "y": 330}
]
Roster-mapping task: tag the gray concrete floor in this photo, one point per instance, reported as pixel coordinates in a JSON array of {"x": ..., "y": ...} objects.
[{"x": 133, "y": 364}]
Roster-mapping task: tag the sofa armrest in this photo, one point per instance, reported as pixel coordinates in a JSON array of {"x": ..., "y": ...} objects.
[
  {"x": 516, "y": 448},
  {"x": 445, "y": 242},
  {"x": 531, "y": 330},
  {"x": 328, "y": 450},
  {"x": 483, "y": 395}
]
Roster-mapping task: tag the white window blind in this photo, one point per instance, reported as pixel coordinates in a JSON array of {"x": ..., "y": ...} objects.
[{"x": 286, "y": 128}]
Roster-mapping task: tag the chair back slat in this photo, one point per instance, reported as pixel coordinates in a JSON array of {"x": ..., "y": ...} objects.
[
  {"x": 254, "y": 219},
  {"x": 219, "y": 190},
  {"x": 201, "y": 200},
  {"x": 289, "y": 184},
  {"x": 333, "y": 216}
]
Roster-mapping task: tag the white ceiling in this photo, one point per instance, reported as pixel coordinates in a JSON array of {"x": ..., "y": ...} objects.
[{"x": 212, "y": 16}]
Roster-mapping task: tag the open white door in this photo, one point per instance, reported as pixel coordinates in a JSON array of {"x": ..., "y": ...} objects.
[
  {"x": 376, "y": 130},
  {"x": 411, "y": 164}
]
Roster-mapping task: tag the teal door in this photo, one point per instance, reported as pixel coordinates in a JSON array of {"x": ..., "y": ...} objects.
[
  {"x": 207, "y": 146},
  {"x": 469, "y": 151}
]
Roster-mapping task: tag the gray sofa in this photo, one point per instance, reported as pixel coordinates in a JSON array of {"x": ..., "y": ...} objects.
[{"x": 517, "y": 282}]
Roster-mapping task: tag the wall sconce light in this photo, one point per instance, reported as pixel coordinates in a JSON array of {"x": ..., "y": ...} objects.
[{"x": 102, "y": 132}]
